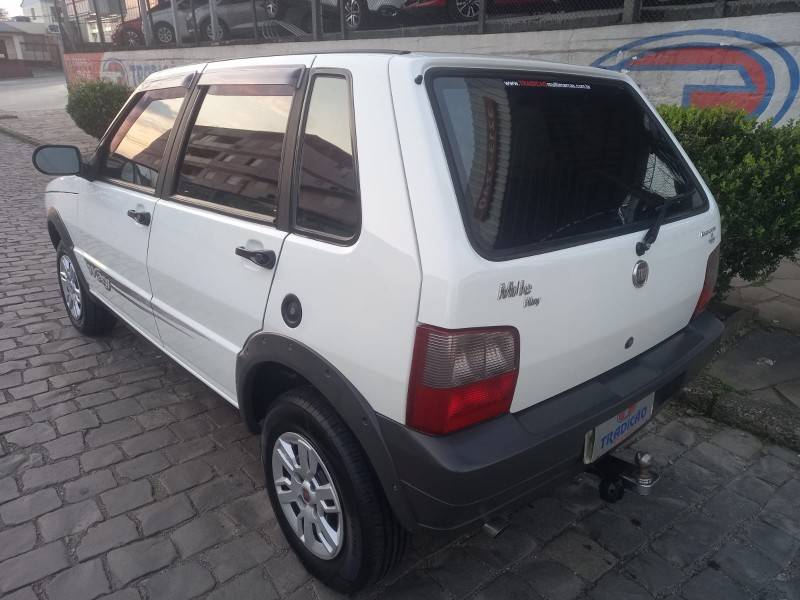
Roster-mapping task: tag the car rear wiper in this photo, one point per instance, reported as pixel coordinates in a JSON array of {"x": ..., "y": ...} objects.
[{"x": 652, "y": 233}]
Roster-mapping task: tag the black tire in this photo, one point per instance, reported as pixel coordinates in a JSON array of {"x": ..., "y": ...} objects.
[
  {"x": 463, "y": 10},
  {"x": 164, "y": 34},
  {"x": 205, "y": 27},
  {"x": 373, "y": 540},
  {"x": 130, "y": 38},
  {"x": 93, "y": 318},
  {"x": 356, "y": 15}
]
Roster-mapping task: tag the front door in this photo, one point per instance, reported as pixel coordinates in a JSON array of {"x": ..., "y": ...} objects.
[
  {"x": 115, "y": 215},
  {"x": 214, "y": 246}
]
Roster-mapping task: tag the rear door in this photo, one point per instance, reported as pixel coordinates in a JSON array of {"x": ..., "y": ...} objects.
[
  {"x": 215, "y": 245},
  {"x": 556, "y": 178}
]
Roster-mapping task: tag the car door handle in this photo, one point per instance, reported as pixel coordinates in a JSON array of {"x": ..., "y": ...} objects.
[
  {"x": 140, "y": 216},
  {"x": 263, "y": 258}
]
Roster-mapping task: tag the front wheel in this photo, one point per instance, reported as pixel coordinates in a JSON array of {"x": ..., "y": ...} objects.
[
  {"x": 355, "y": 14},
  {"x": 87, "y": 315},
  {"x": 165, "y": 34},
  {"x": 328, "y": 502},
  {"x": 208, "y": 33},
  {"x": 463, "y": 10}
]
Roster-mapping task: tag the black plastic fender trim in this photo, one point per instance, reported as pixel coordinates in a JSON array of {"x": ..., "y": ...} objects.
[
  {"x": 54, "y": 219},
  {"x": 348, "y": 402}
]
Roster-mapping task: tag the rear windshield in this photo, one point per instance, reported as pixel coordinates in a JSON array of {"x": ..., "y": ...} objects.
[{"x": 541, "y": 162}]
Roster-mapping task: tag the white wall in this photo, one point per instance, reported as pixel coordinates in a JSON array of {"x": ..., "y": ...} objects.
[{"x": 750, "y": 62}]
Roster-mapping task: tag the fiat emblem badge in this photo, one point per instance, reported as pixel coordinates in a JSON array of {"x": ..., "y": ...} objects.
[{"x": 641, "y": 270}]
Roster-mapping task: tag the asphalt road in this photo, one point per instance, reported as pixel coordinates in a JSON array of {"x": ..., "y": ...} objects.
[{"x": 47, "y": 92}]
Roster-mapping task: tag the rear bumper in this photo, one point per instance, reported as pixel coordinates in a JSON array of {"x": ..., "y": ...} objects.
[{"x": 460, "y": 479}]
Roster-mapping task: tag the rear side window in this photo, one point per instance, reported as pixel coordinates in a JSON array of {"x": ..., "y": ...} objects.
[
  {"x": 541, "y": 162},
  {"x": 137, "y": 149},
  {"x": 233, "y": 154},
  {"x": 328, "y": 200}
]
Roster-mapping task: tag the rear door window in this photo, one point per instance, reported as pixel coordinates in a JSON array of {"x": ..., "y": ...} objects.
[{"x": 542, "y": 162}]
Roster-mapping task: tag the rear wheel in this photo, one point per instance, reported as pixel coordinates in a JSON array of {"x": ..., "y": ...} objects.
[
  {"x": 327, "y": 499},
  {"x": 208, "y": 34},
  {"x": 87, "y": 314},
  {"x": 165, "y": 34},
  {"x": 463, "y": 10},
  {"x": 355, "y": 14}
]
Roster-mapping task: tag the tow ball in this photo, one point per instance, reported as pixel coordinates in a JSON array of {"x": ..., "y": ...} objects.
[{"x": 617, "y": 474}]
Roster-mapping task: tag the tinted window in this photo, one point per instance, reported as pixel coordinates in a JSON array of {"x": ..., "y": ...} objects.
[
  {"x": 328, "y": 199},
  {"x": 137, "y": 148},
  {"x": 546, "y": 161},
  {"x": 233, "y": 155}
]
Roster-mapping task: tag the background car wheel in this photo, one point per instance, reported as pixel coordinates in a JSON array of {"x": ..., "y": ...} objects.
[
  {"x": 132, "y": 39},
  {"x": 222, "y": 31},
  {"x": 463, "y": 10},
  {"x": 328, "y": 502},
  {"x": 355, "y": 14},
  {"x": 164, "y": 34},
  {"x": 87, "y": 314}
]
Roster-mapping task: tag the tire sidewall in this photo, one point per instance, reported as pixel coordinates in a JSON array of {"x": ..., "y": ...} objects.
[
  {"x": 345, "y": 566},
  {"x": 62, "y": 251}
]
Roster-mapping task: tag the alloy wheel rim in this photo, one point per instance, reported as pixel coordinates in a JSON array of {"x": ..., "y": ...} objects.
[
  {"x": 70, "y": 287},
  {"x": 352, "y": 13},
  {"x": 307, "y": 495},
  {"x": 133, "y": 38},
  {"x": 164, "y": 35},
  {"x": 467, "y": 8}
]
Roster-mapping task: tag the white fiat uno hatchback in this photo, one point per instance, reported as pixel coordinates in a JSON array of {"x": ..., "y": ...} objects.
[{"x": 435, "y": 284}]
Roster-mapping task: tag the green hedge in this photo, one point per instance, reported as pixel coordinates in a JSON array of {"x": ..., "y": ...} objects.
[
  {"x": 753, "y": 170},
  {"x": 94, "y": 104}
]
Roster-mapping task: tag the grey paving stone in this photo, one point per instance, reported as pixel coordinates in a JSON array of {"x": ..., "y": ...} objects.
[
  {"x": 742, "y": 444},
  {"x": 201, "y": 533},
  {"x": 190, "y": 429},
  {"x": 741, "y": 368},
  {"x": 105, "y": 536},
  {"x": 614, "y": 532},
  {"x": 711, "y": 584},
  {"x": 23, "y": 594},
  {"x": 696, "y": 477},
  {"x": 148, "y": 442},
  {"x": 53, "y": 412},
  {"x": 64, "y": 446},
  {"x": 228, "y": 460},
  {"x": 550, "y": 579},
  {"x": 715, "y": 459},
  {"x": 29, "y": 507},
  {"x": 119, "y": 409},
  {"x": 789, "y": 524},
  {"x": 184, "y": 451},
  {"x": 508, "y": 547},
  {"x": 581, "y": 554},
  {"x": 219, "y": 491},
  {"x": 615, "y": 586},
  {"x": 101, "y": 457},
  {"x": 164, "y": 514},
  {"x": 32, "y": 566},
  {"x": 140, "y": 558},
  {"x": 250, "y": 586},
  {"x": 50, "y": 474},
  {"x": 179, "y": 583},
  {"x": 239, "y": 555},
  {"x": 77, "y": 421},
  {"x": 14, "y": 408},
  {"x": 773, "y": 470},
  {"x": 18, "y": 462},
  {"x": 185, "y": 476},
  {"x": 745, "y": 565},
  {"x": 251, "y": 512},
  {"x": 287, "y": 573},
  {"x": 141, "y": 466},
  {"x": 16, "y": 540},
  {"x": 752, "y": 488},
  {"x": 38, "y": 433},
  {"x": 8, "y": 489},
  {"x": 88, "y": 486},
  {"x": 69, "y": 520},
  {"x": 85, "y": 581},
  {"x": 112, "y": 432},
  {"x": 127, "y": 497},
  {"x": 458, "y": 571},
  {"x": 653, "y": 573},
  {"x": 15, "y": 423},
  {"x": 781, "y": 547},
  {"x": 507, "y": 585},
  {"x": 126, "y": 594},
  {"x": 155, "y": 418}
]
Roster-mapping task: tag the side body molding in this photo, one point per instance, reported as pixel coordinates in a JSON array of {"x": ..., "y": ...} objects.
[{"x": 350, "y": 405}]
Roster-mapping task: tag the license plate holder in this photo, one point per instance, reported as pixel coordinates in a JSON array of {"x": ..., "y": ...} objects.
[{"x": 611, "y": 433}]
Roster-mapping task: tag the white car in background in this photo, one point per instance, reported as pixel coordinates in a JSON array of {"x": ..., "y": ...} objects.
[{"x": 435, "y": 284}]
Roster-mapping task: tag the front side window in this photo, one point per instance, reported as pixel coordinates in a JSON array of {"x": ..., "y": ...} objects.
[
  {"x": 541, "y": 161},
  {"x": 233, "y": 154},
  {"x": 136, "y": 151},
  {"x": 328, "y": 200}
]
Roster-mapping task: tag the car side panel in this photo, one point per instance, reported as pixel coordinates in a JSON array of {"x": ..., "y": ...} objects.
[{"x": 360, "y": 301}]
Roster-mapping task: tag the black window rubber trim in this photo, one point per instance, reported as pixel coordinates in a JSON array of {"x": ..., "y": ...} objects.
[{"x": 539, "y": 247}]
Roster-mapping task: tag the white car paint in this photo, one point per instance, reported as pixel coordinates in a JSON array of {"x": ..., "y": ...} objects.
[{"x": 412, "y": 262}]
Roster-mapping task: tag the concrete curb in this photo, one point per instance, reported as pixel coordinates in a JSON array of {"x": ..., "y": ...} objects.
[{"x": 19, "y": 136}]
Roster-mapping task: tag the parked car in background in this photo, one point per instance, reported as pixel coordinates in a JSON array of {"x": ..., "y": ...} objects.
[{"x": 130, "y": 34}]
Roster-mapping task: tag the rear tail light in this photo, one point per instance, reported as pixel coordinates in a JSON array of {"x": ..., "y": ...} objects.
[
  {"x": 709, "y": 283},
  {"x": 461, "y": 377}
]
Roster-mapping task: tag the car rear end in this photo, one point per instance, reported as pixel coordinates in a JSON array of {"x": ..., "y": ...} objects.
[{"x": 552, "y": 326}]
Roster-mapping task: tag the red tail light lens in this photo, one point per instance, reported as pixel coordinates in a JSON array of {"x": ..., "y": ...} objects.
[
  {"x": 710, "y": 282},
  {"x": 461, "y": 377}
]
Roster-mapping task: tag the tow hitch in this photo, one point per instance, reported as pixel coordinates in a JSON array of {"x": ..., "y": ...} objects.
[{"x": 617, "y": 474}]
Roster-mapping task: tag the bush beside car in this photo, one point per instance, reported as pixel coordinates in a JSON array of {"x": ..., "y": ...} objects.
[
  {"x": 94, "y": 104},
  {"x": 753, "y": 170}
]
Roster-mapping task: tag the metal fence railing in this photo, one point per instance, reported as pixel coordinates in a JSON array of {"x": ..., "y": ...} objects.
[{"x": 131, "y": 24}]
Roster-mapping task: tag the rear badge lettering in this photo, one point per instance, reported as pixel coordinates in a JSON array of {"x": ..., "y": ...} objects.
[
  {"x": 710, "y": 234},
  {"x": 518, "y": 289}
]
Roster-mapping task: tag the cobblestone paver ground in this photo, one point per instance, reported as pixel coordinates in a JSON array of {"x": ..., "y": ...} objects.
[{"x": 120, "y": 474}]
